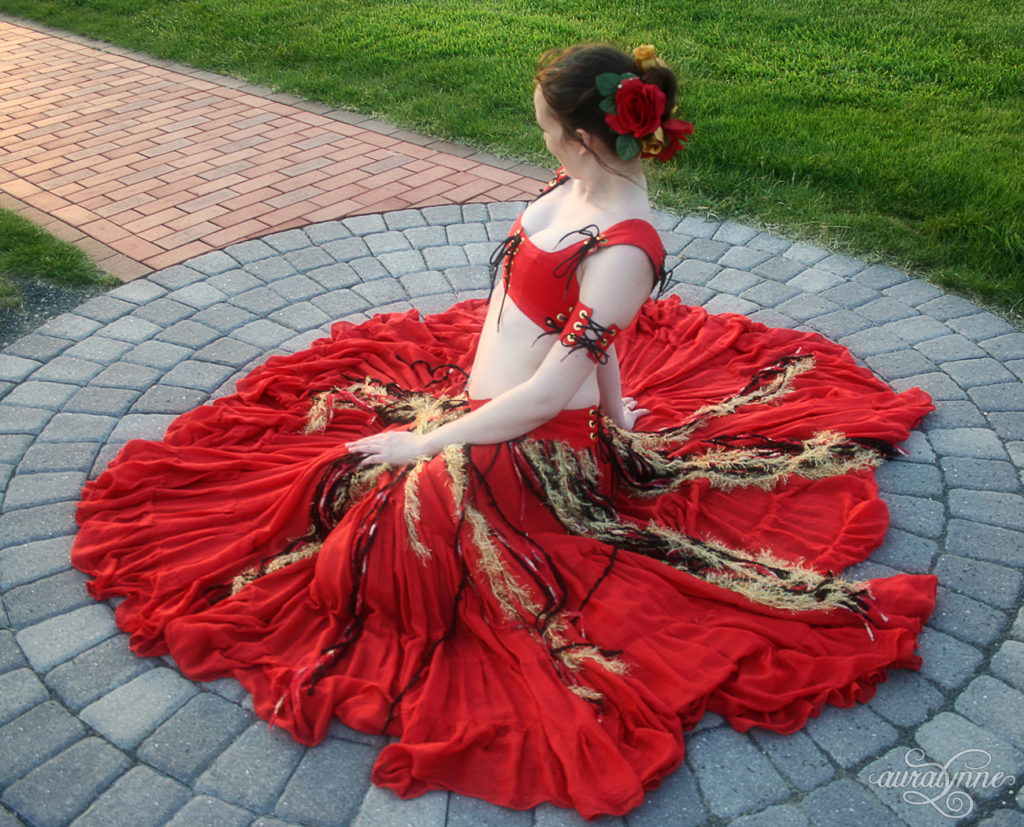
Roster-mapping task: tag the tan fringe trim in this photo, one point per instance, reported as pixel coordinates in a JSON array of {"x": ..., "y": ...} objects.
[
  {"x": 251, "y": 575},
  {"x": 514, "y": 599},
  {"x": 424, "y": 411},
  {"x": 575, "y": 657},
  {"x": 826, "y": 454},
  {"x": 319, "y": 415},
  {"x": 411, "y": 512},
  {"x": 773, "y": 390},
  {"x": 739, "y": 571}
]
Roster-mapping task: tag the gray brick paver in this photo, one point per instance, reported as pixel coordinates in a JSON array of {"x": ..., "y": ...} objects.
[
  {"x": 205, "y": 265},
  {"x": 302, "y": 316},
  {"x": 949, "y": 734},
  {"x": 96, "y": 672},
  {"x": 47, "y": 597},
  {"x": 63, "y": 787},
  {"x": 26, "y": 490},
  {"x": 980, "y": 326},
  {"x": 15, "y": 369},
  {"x": 845, "y": 803},
  {"x": 99, "y": 349},
  {"x": 1008, "y": 426},
  {"x": 906, "y": 699},
  {"x": 966, "y": 618},
  {"x": 994, "y": 508},
  {"x": 1008, "y": 663},
  {"x": 969, "y": 538},
  {"x": 381, "y": 807},
  {"x": 308, "y": 258},
  {"x": 795, "y": 756},
  {"x": 260, "y": 300},
  {"x": 68, "y": 369},
  {"x": 36, "y": 347},
  {"x": 990, "y": 583},
  {"x": 40, "y": 394},
  {"x": 916, "y": 515},
  {"x": 233, "y": 282},
  {"x": 913, "y": 291},
  {"x": 20, "y": 690},
  {"x": 980, "y": 474},
  {"x": 909, "y": 478},
  {"x": 733, "y": 775},
  {"x": 1005, "y": 347},
  {"x": 130, "y": 712},
  {"x": 194, "y": 736},
  {"x": 34, "y": 737},
  {"x": 937, "y": 385},
  {"x": 70, "y": 326},
  {"x": 952, "y": 347},
  {"x": 967, "y": 442},
  {"x": 955, "y": 413},
  {"x": 677, "y": 801},
  {"x": 296, "y": 288},
  {"x": 246, "y": 253},
  {"x": 464, "y": 811},
  {"x": 906, "y": 552},
  {"x": 11, "y": 656},
  {"x": 996, "y": 707},
  {"x": 732, "y": 282},
  {"x": 157, "y": 354},
  {"x": 916, "y": 329},
  {"x": 140, "y": 291},
  {"x": 77, "y": 427},
  {"x": 254, "y": 769},
  {"x": 104, "y": 309},
  {"x": 60, "y": 638},
  {"x": 165, "y": 311},
  {"x": 130, "y": 329},
  {"x": 288, "y": 241},
  {"x": 204, "y": 811},
  {"x": 851, "y": 735},
  {"x": 139, "y": 798},
  {"x": 969, "y": 373},
  {"x": 168, "y": 399},
  {"x": 328, "y": 786},
  {"x": 188, "y": 333}
]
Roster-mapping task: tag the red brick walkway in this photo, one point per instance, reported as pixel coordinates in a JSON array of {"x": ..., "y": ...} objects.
[{"x": 146, "y": 164}]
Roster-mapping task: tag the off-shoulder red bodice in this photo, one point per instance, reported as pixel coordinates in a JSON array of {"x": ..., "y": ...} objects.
[{"x": 544, "y": 284}]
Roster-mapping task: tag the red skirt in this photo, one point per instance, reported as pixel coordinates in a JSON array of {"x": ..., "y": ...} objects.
[{"x": 454, "y": 605}]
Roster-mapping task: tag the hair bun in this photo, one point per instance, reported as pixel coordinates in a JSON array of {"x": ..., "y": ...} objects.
[{"x": 665, "y": 79}]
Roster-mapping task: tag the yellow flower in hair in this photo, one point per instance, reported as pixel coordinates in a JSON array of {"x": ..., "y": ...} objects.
[
  {"x": 647, "y": 57},
  {"x": 653, "y": 144}
]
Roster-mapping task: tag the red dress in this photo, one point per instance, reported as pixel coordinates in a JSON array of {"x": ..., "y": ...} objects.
[{"x": 538, "y": 620}]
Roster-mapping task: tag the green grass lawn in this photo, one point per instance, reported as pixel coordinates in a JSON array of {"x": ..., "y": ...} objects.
[
  {"x": 891, "y": 130},
  {"x": 28, "y": 252}
]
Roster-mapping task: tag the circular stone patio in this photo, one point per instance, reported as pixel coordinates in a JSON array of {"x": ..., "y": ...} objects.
[{"x": 91, "y": 734}]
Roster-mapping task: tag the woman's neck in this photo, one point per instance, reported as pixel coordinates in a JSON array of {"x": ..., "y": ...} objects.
[{"x": 609, "y": 188}]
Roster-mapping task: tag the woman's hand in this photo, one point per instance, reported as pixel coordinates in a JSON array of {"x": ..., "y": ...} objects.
[
  {"x": 631, "y": 413},
  {"x": 398, "y": 447}
]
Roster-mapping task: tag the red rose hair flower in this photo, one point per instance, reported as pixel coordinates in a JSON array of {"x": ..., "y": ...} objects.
[{"x": 639, "y": 108}]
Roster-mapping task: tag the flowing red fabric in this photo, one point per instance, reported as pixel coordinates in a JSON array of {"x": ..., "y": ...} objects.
[{"x": 472, "y": 697}]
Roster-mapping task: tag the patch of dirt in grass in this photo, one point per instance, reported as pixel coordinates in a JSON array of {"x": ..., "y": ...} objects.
[{"x": 40, "y": 302}]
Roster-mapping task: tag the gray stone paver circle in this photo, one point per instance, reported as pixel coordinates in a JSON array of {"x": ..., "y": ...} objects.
[{"x": 103, "y": 733}]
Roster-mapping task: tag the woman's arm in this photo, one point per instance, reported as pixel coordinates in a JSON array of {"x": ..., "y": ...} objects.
[
  {"x": 621, "y": 410},
  {"x": 616, "y": 283}
]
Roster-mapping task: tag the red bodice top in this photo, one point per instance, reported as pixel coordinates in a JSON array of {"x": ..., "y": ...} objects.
[{"x": 544, "y": 284}]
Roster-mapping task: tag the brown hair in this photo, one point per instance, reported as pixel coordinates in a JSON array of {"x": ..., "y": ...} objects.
[{"x": 567, "y": 79}]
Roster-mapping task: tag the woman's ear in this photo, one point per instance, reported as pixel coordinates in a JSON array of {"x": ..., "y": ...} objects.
[{"x": 585, "y": 141}]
